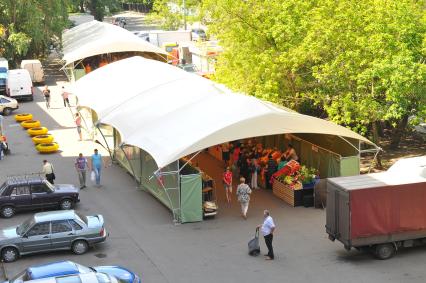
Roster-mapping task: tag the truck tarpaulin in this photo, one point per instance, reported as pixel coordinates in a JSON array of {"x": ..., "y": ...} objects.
[{"x": 388, "y": 210}]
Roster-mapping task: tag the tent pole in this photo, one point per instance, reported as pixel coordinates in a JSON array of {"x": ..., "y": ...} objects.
[
  {"x": 176, "y": 219},
  {"x": 189, "y": 160},
  {"x": 371, "y": 163},
  {"x": 128, "y": 161},
  {"x": 356, "y": 148},
  {"x": 108, "y": 148}
]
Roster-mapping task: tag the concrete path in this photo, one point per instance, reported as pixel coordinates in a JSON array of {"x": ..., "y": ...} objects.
[{"x": 143, "y": 238}]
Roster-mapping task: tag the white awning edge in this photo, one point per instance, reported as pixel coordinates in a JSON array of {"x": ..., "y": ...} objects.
[{"x": 95, "y": 38}]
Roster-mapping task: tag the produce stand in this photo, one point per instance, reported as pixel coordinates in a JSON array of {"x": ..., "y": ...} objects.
[
  {"x": 291, "y": 196},
  {"x": 294, "y": 184}
]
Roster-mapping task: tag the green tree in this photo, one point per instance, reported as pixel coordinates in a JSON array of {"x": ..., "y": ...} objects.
[
  {"x": 172, "y": 14},
  {"x": 30, "y": 27},
  {"x": 360, "y": 61}
]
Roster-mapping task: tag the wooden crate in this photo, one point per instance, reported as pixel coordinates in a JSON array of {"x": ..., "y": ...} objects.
[{"x": 284, "y": 192}]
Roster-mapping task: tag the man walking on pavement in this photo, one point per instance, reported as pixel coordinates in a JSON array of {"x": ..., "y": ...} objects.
[
  {"x": 65, "y": 95},
  {"x": 78, "y": 124},
  {"x": 48, "y": 171},
  {"x": 46, "y": 94},
  {"x": 96, "y": 165},
  {"x": 81, "y": 167},
  {"x": 267, "y": 229}
]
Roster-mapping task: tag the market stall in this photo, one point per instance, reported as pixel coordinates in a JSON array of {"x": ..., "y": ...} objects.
[{"x": 169, "y": 114}]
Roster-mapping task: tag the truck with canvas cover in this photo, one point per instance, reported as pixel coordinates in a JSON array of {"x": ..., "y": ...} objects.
[{"x": 381, "y": 212}]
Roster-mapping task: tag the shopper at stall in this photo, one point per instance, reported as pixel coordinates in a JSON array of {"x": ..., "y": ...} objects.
[
  {"x": 290, "y": 153},
  {"x": 281, "y": 162},
  {"x": 271, "y": 168},
  {"x": 227, "y": 184},
  {"x": 243, "y": 195},
  {"x": 244, "y": 164},
  {"x": 254, "y": 172},
  {"x": 225, "y": 154},
  {"x": 236, "y": 154},
  {"x": 267, "y": 229}
]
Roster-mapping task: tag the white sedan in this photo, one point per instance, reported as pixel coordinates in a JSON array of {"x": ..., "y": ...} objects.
[{"x": 7, "y": 105}]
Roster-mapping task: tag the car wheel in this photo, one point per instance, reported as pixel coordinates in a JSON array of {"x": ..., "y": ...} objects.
[
  {"x": 66, "y": 204},
  {"x": 7, "y": 111},
  {"x": 80, "y": 247},
  {"x": 9, "y": 254},
  {"x": 7, "y": 211},
  {"x": 385, "y": 251}
]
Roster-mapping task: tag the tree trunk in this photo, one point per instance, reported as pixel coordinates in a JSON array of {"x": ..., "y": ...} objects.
[
  {"x": 376, "y": 140},
  {"x": 398, "y": 132},
  {"x": 81, "y": 6}
]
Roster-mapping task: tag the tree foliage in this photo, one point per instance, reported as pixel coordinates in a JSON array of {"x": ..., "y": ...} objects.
[
  {"x": 97, "y": 8},
  {"x": 359, "y": 62},
  {"x": 172, "y": 14},
  {"x": 30, "y": 26}
]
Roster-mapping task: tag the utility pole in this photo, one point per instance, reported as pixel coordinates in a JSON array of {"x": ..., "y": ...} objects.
[{"x": 184, "y": 14}]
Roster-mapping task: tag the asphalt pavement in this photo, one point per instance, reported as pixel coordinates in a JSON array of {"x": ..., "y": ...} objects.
[{"x": 144, "y": 239}]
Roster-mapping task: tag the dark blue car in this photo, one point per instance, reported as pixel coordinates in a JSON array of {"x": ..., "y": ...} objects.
[{"x": 62, "y": 268}]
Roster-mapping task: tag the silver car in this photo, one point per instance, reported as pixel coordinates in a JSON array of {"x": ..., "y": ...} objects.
[
  {"x": 52, "y": 231},
  {"x": 91, "y": 277}
]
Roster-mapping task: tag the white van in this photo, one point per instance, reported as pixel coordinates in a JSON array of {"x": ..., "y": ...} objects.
[
  {"x": 35, "y": 68},
  {"x": 4, "y": 63},
  {"x": 19, "y": 84}
]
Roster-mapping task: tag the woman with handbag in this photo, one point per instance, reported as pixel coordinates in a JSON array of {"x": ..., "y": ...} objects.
[
  {"x": 243, "y": 194},
  {"x": 48, "y": 171}
]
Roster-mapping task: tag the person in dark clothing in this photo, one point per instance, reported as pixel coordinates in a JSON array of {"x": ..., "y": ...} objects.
[
  {"x": 244, "y": 166},
  {"x": 271, "y": 168}
]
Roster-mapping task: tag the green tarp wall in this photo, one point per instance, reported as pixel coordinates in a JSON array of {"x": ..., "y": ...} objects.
[
  {"x": 191, "y": 198},
  {"x": 330, "y": 154}
]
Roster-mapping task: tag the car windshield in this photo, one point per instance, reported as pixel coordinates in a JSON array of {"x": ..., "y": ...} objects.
[
  {"x": 84, "y": 269},
  {"x": 103, "y": 278},
  {"x": 3, "y": 187},
  {"x": 190, "y": 68},
  {"x": 20, "y": 277},
  {"x": 50, "y": 186},
  {"x": 21, "y": 229},
  {"x": 82, "y": 217}
]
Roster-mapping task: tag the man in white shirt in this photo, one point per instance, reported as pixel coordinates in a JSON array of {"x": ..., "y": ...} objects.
[
  {"x": 267, "y": 229},
  {"x": 47, "y": 169}
]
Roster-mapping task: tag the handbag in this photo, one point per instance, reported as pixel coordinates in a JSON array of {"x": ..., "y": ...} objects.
[
  {"x": 92, "y": 176},
  {"x": 53, "y": 173}
]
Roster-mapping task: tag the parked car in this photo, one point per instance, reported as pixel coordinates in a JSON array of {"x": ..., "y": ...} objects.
[
  {"x": 63, "y": 268},
  {"x": 91, "y": 277},
  {"x": 34, "y": 192},
  {"x": 19, "y": 84},
  {"x": 3, "y": 77},
  {"x": 52, "y": 231},
  {"x": 190, "y": 68},
  {"x": 35, "y": 68},
  {"x": 119, "y": 21},
  {"x": 4, "y": 63},
  {"x": 198, "y": 34},
  {"x": 7, "y": 105}
]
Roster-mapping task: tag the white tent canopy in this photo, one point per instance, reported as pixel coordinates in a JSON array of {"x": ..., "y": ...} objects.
[
  {"x": 95, "y": 38},
  {"x": 171, "y": 113}
]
